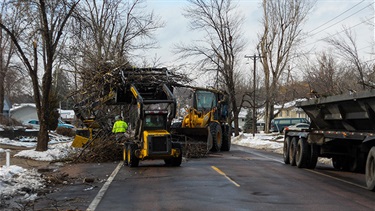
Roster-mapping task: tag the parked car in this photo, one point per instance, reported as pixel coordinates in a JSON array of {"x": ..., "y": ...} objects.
[
  {"x": 278, "y": 124},
  {"x": 33, "y": 123},
  {"x": 298, "y": 126},
  {"x": 64, "y": 125}
]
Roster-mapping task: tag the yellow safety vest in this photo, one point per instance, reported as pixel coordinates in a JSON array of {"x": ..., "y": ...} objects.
[{"x": 119, "y": 127}]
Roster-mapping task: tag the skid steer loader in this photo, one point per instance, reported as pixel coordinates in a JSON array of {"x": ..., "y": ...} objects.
[
  {"x": 205, "y": 121},
  {"x": 156, "y": 107}
]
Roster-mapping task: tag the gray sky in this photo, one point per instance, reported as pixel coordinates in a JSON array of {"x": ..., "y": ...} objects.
[{"x": 327, "y": 19}]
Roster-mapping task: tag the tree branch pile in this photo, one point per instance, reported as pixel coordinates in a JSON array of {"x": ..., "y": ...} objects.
[{"x": 101, "y": 149}]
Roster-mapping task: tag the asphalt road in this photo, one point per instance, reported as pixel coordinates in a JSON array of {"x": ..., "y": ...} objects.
[{"x": 242, "y": 179}]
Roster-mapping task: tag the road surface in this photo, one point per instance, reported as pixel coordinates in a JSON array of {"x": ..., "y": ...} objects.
[{"x": 242, "y": 179}]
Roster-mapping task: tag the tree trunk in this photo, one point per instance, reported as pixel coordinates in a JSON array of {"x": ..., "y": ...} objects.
[
  {"x": 2, "y": 91},
  {"x": 2, "y": 73},
  {"x": 43, "y": 138}
]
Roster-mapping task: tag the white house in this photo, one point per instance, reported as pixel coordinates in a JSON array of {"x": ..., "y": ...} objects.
[
  {"x": 242, "y": 118},
  {"x": 290, "y": 110},
  {"x": 67, "y": 115},
  {"x": 23, "y": 112},
  {"x": 26, "y": 111}
]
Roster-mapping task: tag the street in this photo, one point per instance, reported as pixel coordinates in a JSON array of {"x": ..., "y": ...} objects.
[{"x": 242, "y": 179}]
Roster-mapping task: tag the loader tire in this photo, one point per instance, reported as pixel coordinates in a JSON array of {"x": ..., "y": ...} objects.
[
  {"x": 225, "y": 146},
  {"x": 124, "y": 155},
  {"x": 302, "y": 153},
  {"x": 174, "y": 161},
  {"x": 217, "y": 136},
  {"x": 133, "y": 161},
  {"x": 370, "y": 170},
  {"x": 292, "y": 151},
  {"x": 286, "y": 150}
]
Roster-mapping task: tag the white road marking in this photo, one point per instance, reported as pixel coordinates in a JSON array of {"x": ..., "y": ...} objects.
[
  {"x": 310, "y": 170},
  {"x": 102, "y": 191},
  {"x": 335, "y": 178}
]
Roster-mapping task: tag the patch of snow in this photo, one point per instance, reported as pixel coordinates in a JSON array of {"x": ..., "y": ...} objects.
[
  {"x": 15, "y": 180},
  {"x": 54, "y": 152}
]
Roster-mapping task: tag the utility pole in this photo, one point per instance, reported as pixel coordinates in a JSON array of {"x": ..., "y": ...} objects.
[{"x": 254, "y": 58}]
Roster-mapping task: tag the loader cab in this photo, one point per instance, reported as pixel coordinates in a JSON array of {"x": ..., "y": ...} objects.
[
  {"x": 204, "y": 100},
  {"x": 155, "y": 120}
]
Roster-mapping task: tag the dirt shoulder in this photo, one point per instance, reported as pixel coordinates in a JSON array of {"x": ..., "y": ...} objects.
[
  {"x": 68, "y": 186},
  {"x": 22, "y": 162}
]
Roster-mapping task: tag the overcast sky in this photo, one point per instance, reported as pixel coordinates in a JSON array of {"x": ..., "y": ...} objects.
[{"x": 327, "y": 19}]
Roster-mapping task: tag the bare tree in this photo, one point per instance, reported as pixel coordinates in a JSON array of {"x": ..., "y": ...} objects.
[
  {"x": 7, "y": 49},
  {"x": 218, "y": 50},
  {"x": 104, "y": 36},
  {"x": 322, "y": 76},
  {"x": 45, "y": 22},
  {"x": 282, "y": 24},
  {"x": 346, "y": 48}
]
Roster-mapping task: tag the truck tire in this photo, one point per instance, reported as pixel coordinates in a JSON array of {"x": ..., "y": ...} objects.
[
  {"x": 226, "y": 139},
  {"x": 133, "y": 161},
  {"x": 302, "y": 153},
  {"x": 358, "y": 162},
  {"x": 370, "y": 170},
  {"x": 340, "y": 163},
  {"x": 217, "y": 135},
  {"x": 292, "y": 151},
  {"x": 314, "y": 154},
  {"x": 286, "y": 150}
]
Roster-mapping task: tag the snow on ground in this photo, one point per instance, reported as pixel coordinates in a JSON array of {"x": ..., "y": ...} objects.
[
  {"x": 15, "y": 180},
  {"x": 269, "y": 142}
]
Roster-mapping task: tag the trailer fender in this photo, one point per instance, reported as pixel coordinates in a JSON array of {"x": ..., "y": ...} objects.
[
  {"x": 369, "y": 139},
  {"x": 314, "y": 138}
]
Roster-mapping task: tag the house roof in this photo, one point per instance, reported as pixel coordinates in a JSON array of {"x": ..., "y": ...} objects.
[
  {"x": 22, "y": 105},
  {"x": 289, "y": 104}
]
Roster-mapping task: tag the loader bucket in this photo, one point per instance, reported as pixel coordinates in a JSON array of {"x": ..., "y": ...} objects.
[
  {"x": 79, "y": 141},
  {"x": 82, "y": 137}
]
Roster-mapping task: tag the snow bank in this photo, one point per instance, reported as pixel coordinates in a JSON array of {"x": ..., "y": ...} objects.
[{"x": 15, "y": 180}]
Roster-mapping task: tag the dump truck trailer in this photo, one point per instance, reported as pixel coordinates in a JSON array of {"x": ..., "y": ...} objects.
[{"x": 342, "y": 128}]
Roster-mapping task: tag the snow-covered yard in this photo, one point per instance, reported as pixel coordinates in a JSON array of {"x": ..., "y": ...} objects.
[{"x": 16, "y": 180}]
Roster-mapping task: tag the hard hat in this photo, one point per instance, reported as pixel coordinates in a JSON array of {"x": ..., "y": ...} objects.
[{"x": 118, "y": 117}]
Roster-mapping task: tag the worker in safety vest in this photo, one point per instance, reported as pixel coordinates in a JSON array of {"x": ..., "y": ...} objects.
[{"x": 119, "y": 127}]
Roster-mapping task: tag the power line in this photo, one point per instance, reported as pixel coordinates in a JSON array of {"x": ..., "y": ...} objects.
[
  {"x": 337, "y": 16},
  {"x": 339, "y": 32},
  {"x": 342, "y": 19},
  {"x": 362, "y": 22}
]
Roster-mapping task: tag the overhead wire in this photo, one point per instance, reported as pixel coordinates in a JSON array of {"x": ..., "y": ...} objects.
[
  {"x": 339, "y": 22},
  {"x": 343, "y": 19},
  {"x": 337, "y": 16}
]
